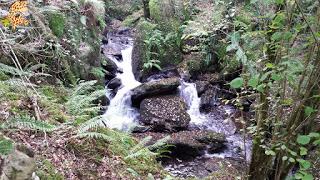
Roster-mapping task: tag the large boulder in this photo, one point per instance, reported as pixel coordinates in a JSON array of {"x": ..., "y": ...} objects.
[
  {"x": 189, "y": 144},
  {"x": 154, "y": 88},
  {"x": 193, "y": 143},
  {"x": 164, "y": 113},
  {"x": 18, "y": 166}
]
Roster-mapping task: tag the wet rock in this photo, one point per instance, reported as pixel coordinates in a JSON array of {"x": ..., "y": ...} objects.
[
  {"x": 110, "y": 66},
  {"x": 154, "y": 88},
  {"x": 114, "y": 83},
  {"x": 201, "y": 86},
  {"x": 213, "y": 78},
  {"x": 208, "y": 99},
  {"x": 140, "y": 129},
  {"x": 137, "y": 57},
  {"x": 108, "y": 76},
  {"x": 205, "y": 168},
  {"x": 165, "y": 73},
  {"x": 164, "y": 113},
  {"x": 18, "y": 166},
  {"x": 189, "y": 144}
]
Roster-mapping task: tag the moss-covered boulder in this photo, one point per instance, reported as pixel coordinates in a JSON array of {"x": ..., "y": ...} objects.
[
  {"x": 164, "y": 113},
  {"x": 18, "y": 165}
]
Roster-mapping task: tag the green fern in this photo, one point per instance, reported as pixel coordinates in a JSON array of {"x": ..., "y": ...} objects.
[
  {"x": 95, "y": 135},
  {"x": 27, "y": 123},
  {"x": 13, "y": 70},
  {"x": 81, "y": 101},
  {"x": 142, "y": 151},
  {"x": 92, "y": 123}
]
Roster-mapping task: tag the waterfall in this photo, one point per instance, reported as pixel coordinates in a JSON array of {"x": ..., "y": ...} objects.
[
  {"x": 188, "y": 92},
  {"x": 120, "y": 114}
]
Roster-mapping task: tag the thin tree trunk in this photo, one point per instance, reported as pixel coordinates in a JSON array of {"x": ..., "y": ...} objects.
[
  {"x": 146, "y": 9},
  {"x": 261, "y": 163}
]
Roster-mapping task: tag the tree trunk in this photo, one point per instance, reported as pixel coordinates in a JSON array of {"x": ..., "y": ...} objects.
[
  {"x": 261, "y": 163},
  {"x": 146, "y": 9}
]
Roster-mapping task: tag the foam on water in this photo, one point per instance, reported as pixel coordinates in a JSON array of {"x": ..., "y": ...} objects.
[{"x": 120, "y": 114}]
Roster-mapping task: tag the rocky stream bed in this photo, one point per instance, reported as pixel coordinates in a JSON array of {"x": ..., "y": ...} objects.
[{"x": 202, "y": 130}]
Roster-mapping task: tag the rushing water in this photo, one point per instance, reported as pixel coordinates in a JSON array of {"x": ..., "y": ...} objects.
[
  {"x": 120, "y": 114},
  {"x": 237, "y": 145},
  {"x": 188, "y": 92}
]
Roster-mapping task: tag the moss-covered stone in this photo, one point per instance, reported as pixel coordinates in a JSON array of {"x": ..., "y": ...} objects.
[
  {"x": 57, "y": 23},
  {"x": 132, "y": 19},
  {"x": 46, "y": 170},
  {"x": 194, "y": 66}
]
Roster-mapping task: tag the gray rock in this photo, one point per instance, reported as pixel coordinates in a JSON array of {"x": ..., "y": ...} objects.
[
  {"x": 201, "y": 86},
  {"x": 18, "y": 166},
  {"x": 114, "y": 83},
  {"x": 208, "y": 98},
  {"x": 164, "y": 113},
  {"x": 154, "y": 88},
  {"x": 189, "y": 144}
]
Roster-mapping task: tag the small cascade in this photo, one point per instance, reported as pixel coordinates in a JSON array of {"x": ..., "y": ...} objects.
[
  {"x": 120, "y": 113},
  {"x": 215, "y": 122},
  {"x": 188, "y": 92}
]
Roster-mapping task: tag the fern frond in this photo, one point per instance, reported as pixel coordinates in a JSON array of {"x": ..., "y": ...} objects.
[
  {"x": 84, "y": 87},
  {"x": 141, "y": 144},
  {"x": 81, "y": 100},
  {"x": 95, "y": 135},
  {"x": 28, "y": 123},
  {"x": 159, "y": 144},
  {"x": 92, "y": 123},
  {"x": 19, "y": 84},
  {"x": 13, "y": 70},
  {"x": 142, "y": 153}
]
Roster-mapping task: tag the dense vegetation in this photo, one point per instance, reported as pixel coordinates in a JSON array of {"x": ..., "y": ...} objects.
[{"x": 52, "y": 93}]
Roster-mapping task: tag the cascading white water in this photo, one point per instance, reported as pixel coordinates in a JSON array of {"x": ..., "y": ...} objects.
[
  {"x": 188, "y": 92},
  {"x": 120, "y": 114}
]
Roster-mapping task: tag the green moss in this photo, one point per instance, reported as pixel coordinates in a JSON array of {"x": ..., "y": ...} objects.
[
  {"x": 121, "y": 146},
  {"x": 155, "y": 10},
  {"x": 194, "y": 66},
  {"x": 47, "y": 171},
  {"x": 132, "y": 19},
  {"x": 55, "y": 93},
  {"x": 3, "y": 76},
  {"x": 145, "y": 27},
  {"x": 12, "y": 96},
  {"x": 57, "y": 23}
]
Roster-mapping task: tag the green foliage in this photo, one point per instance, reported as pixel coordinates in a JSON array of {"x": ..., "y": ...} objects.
[
  {"x": 46, "y": 170},
  {"x": 194, "y": 66},
  {"x": 278, "y": 56},
  {"x": 161, "y": 50},
  {"x": 6, "y": 146},
  {"x": 81, "y": 101},
  {"x": 236, "y": 83},
  {"x": 26, "y": 122},
  {"x": 57, "y": 23}
]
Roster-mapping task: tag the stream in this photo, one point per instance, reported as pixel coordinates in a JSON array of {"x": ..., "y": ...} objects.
[{"x": 122, "y": 115}]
